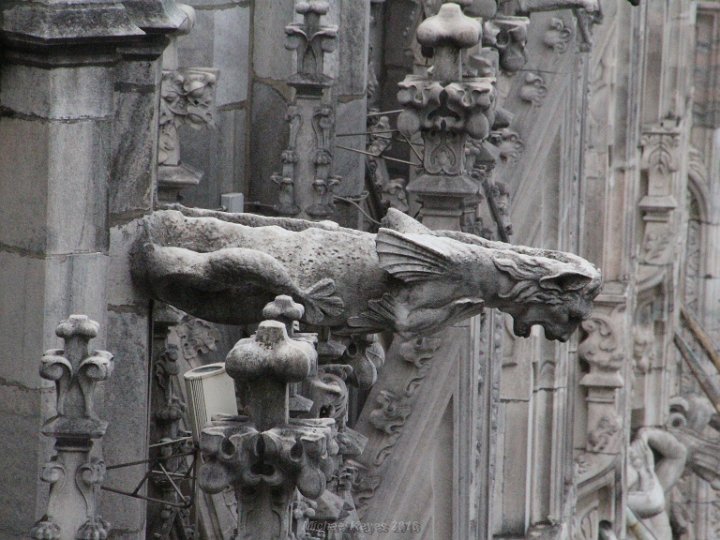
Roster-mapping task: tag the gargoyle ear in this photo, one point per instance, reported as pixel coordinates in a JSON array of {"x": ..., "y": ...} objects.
[{"x": 565, "y": 281}]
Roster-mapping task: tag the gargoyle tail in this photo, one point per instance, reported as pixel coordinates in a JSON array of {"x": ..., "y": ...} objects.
[{"x": 321, "y": 301}]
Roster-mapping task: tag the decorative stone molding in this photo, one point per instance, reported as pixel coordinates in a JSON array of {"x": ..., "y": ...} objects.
[
  {"x": 306, "y": 184},
  {"x": 509, "y": 36},
  {"x": 312, "y": 41},
  {"x": 445, "y": 108},
  {"x": 559, "y": 35},
  {"x": 534, "y": 90},
  {"x": 534, "y": 6},
  {"x": 74, "y": 476},
  {"x": 187, "y": 97},
  {"x": 603, "y": 349},
  {"x": 509, "y": 144}
]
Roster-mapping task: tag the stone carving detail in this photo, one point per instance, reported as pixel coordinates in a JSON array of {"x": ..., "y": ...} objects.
[
  {"x": 287, "y": 204},
  {"x": 534, "y": 6},
  {"x": 650, "y": 481},
  {"x": 601, "y": 348},
  {"x": 509, "y": 144},
  {"x": 306, "y": 184},
  {"x": 509, "y": 36},
  {"x": 187, "y": 98},
  {"x": 312, "y": 41},
  {"x": 445, "y": 108},
  {"x": 534, "y": 90},
  {"x": 558, "y": 36},
  {"x": 224, "y": 270},
  {"x": 606, "y": 431},
  {"x": 659, "y": 151},
  {"x": 74, "y": 476},
  {"x": 391, "y": 413},
  {"x": 266, "y": 455},
  {"x": 197, "y": 338}
]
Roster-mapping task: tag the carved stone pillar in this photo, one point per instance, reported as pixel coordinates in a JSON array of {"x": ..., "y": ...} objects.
[
  {"x": 73, "y": 474},
  {"x": 446, "y": 108},
  {"x": 266, "y": 455},
  {"x": 306, "y": 183}
]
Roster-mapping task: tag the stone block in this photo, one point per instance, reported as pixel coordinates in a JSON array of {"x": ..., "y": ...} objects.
[
  {"x": 121, "y": 290},
  {"x": 135, "y": 134},
  {"x": 215, "y": 152},
  {"x": 36, "y": 294},
  {"x": 58, "y": 94},
  {"x": 196, "y": 48},
  {"x": 231, "y": 54},
  {"x": 54, "y": 185},
  {"x": 126, "y": 409},
  {"x": 269, "y": 21},
  {"x": 350, "y": 118},
  {"x": 24, "y": 451},
  {"x": 269, "y": 138},
  {"x": 353, "y": 48}
]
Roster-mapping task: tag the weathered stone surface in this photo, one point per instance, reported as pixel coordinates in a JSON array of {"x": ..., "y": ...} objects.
[
  {"x": 272, "y": 16},
  {"x": 320, "y": 268},
  {"x": 57, "y": 94},
  {"x": 45, "y": 169},
  {"x": 125, "y": 408},
  {"x": 135, "y": 128},
  {"x": 231, "y": 49}
]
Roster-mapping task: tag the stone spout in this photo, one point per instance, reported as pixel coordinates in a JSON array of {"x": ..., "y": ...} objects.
[{"x": 406, "y": 278}]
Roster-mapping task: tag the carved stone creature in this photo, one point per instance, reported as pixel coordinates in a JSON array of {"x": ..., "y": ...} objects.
[{"x": 407, "y": 278}]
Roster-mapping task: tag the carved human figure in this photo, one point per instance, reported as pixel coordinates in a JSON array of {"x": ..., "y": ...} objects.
[
  {"x": 650, "y": 482},
  {"x": 407, "y": 278}
]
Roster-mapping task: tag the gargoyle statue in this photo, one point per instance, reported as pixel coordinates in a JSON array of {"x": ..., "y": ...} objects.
[{"x": 406, "y": 278}]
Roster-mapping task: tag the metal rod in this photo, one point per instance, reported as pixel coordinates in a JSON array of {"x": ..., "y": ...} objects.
[
  {"x": 412, "y": 146},
  {"x": 173, "y": 441},
  {"x": 377, "y": 156},
  {"x": 699, "y": 333},
  {"x": 186, "y": 504},
  {"x": 381, "y": 113},
  {"x": 142, "y": 462},
  {"x": 697, "y": 371},
  {"x": 172, "y": 483},
  {"x": 366, "y": 133}
]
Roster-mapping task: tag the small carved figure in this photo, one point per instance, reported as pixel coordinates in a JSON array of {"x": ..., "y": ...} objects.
[
  {"x": 407, "y": 278},
  {"x": 651, "y": 481}
]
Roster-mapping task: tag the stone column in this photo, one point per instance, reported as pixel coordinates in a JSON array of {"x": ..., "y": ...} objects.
[
  {"x": 446, "y": 108},
  {"x": 266, "y": 455},
  {"x": 56, "y": 114},
  {"x": 73, "y": 473}
]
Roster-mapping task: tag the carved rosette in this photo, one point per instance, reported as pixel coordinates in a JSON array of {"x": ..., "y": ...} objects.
[{"x": 73, "y": 475}]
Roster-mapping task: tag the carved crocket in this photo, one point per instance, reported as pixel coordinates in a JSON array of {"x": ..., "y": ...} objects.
[{"x": 406, "y": 278}]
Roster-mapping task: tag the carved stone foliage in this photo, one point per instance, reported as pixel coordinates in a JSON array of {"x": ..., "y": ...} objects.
[
  {"x": 693, "y": 256},
  {"x": 558, "y": 36},
  {"x": 601, "y": 347},
  {"x": 187, "y": 98},
  {"x": 177, "y": 264},
  {"x": 659, "y": 151},
  {"x": 391, "y": 410},
  {"x": 74, "y": 476},
  {"x": 509, "y": 144},
  {"x": 533, "y": 91},
  {"x": 509, "y": 36},
  {"x": 312, "y": 41}
]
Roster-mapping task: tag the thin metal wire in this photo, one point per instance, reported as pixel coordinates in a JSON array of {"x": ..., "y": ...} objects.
[
  {"x": 377, "y": 155},
  {"x": 360, "y": 208}
]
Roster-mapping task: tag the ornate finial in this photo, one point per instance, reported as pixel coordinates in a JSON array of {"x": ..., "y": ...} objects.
[
  {"x": 75, "y": 373},
  {"x": 285, "y": 310},
  {"x": 443, "y": 36},
  {"x": 312, "y": 41}
]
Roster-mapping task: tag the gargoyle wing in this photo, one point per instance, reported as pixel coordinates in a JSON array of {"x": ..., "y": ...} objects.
[{"x": 420, "y": 257}]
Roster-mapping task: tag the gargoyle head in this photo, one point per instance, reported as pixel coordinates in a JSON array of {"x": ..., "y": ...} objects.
[{"x": 549, "y": 288}]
